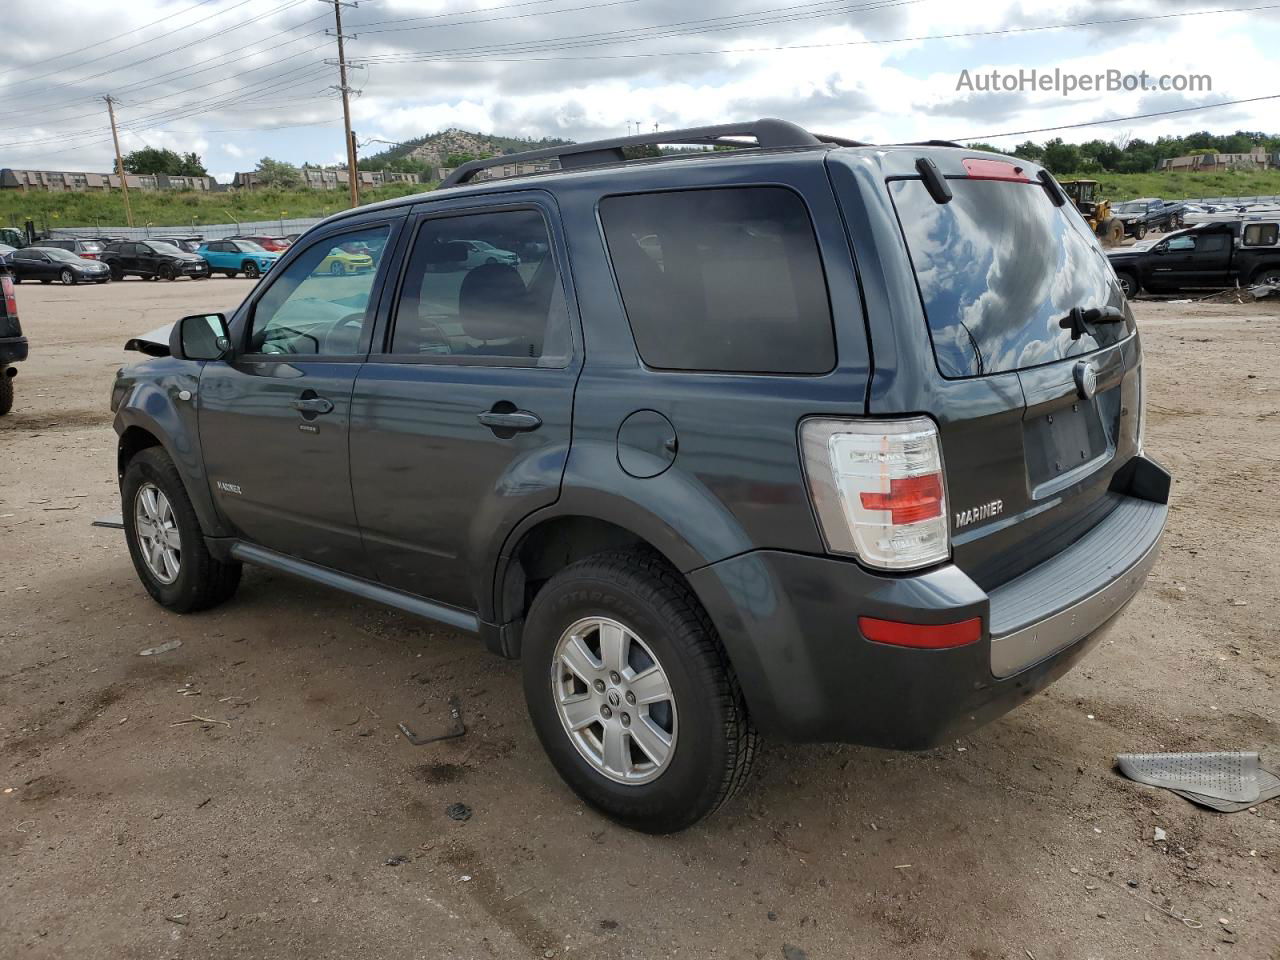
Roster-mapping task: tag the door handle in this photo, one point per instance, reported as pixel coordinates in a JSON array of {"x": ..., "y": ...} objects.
[
  {"x": 313, "y": 405},
  {"x": 516, "y": 421}
]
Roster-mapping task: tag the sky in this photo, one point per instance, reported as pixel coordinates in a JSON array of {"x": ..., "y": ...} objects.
[{"x": 236, "y": 80}]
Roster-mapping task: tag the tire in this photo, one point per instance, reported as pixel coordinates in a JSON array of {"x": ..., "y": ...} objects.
[
  {"x": 201, "y": 580},
  {"x": 702, "y": 720},
  {"x": 491, "y": 261},
  {"x": 67, "y": 278},
  {"x": 251, "y": 270},
  {"x": 116, "y": 273},
  {"x": 336, "y": 269},
  {"x": 16, "y": 278},
  {"x": 1139, "y": 231},
  {"x": 6, "y": 392},
  {"x": 1128, "y": 284},
  {"x": 1266, "y": 275},
  {"x": 166, "y": 272},
  {"x": 1112, "y": 232},
  {"x": 231, "y": 274}
]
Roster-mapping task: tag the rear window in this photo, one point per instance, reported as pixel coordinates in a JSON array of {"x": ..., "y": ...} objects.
[
  {"x": 90, "y": 246},
  {"x": 724, "y": 279},
  {"x": 1261, "y": 234},
  {"x": 998, "y": 268}
]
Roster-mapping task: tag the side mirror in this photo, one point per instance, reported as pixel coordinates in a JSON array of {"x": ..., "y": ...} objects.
[{"x": 200, "y": 337}]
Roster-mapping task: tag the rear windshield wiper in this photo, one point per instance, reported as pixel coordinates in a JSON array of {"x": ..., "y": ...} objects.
[{"x": 1077, "y": 320}]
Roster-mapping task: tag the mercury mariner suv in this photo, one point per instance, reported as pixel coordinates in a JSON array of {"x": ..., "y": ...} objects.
[{"x": 804, "y": 437}]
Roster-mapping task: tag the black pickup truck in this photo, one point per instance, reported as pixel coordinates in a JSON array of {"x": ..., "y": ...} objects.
[
  {"x": 1146, "y": 214},
  {"x": 1206, "y": 255}
]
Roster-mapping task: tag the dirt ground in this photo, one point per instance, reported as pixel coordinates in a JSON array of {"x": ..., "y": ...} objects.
[{"x": 301, "y": 824}]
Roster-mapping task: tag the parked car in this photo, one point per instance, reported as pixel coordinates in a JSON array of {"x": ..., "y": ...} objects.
[
  {"x": 188, "y": 244},
  {"x": 5, "y": 250},
  {"x": 153, "y": 260},
  {"x": 48, "y": 264},
  {"x": 1148, "y": 214},
  {"x": 13, "y": 345},
  {"x": 272, "y": 244},
  {"x": 340, "y": 262},
  {"x": 237, "y": 256},
  {"x": 13, "y": 237},
  {"x": 1207, "y": 255},
  {"x": 790, "y": 466},
  {"x": 89, "y": 249}
]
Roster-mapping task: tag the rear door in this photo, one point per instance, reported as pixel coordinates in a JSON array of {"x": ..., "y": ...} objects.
[
  {"x": 275, "y": 419},
  {"x": 461, "y": 417},
  {"x": 1035, "y": 401}
]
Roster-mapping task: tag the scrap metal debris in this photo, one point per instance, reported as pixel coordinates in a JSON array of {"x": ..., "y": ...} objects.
[
  {"x": 456, "y": 727},
  {"x": 1227, "y": 782},
  {"x": 162, "y": 648},
  {"x": 112, "y": 521}
]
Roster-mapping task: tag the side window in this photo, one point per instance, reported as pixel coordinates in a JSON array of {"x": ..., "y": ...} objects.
[
  {"x": 1182, "y": 243},
  {"x": 1212, "y": 243},
  {"x": 1261, "y": 234},
  {"x": 483, "y": 285},
  {"x": 722, "y": 279},
  {"x": 319, "y": 305}
]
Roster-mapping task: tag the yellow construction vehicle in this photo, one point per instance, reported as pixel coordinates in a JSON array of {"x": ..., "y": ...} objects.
[{"x": 1109, "y": 229}]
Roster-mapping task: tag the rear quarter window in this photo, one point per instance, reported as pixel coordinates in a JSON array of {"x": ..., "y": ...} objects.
[
  {"x": 1261, "y": 234},
  {"x": 726, "y": 280}
]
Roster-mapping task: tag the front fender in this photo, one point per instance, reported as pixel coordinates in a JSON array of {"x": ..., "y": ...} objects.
[{"x": 146, "y": 398}]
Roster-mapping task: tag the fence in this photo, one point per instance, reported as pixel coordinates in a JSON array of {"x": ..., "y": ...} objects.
[{"x": 270, "y": 228}]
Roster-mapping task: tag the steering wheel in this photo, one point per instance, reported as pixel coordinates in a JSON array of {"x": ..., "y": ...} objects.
[{"x": 338, "y": 339}]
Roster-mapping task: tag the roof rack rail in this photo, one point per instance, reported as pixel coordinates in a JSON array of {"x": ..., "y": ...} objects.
[{"x": 768, "y": 133}]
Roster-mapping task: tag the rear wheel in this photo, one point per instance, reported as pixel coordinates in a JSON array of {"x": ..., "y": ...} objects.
[
  {"x": 632, "y": 694},
  {"x": 1267, "y": 275},
  {"x": 165, "y": 540},
  {"x": 251, "y": 270},
  {"x": 6, "y": 392},
  {"x": 116, "y": 273}
]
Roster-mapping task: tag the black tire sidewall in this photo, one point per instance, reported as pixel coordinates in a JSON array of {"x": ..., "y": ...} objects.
[
  {"x": 6, "y": 392},
  {"x": 150, "y": 466},
  {"x": 701, "y": 748}
]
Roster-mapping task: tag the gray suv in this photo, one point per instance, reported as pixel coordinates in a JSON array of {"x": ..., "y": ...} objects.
[{"x": 801, "y": 437}]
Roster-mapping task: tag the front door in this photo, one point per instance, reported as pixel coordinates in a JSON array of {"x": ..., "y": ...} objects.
[
  {"x": 275, "y": 420},
  {"x": 461, "y": 424}
]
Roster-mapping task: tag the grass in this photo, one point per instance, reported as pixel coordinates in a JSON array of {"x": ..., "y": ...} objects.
[
  {"x": 53, "y": 210},
  {"x": 1185, "y": 185},
  {"x": 93, "y": 209}
]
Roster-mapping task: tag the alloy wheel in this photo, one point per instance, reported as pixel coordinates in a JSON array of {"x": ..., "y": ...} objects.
[
  {"x": 158, "y": 536},
  {"x": 614, "y": 700},
  {"x": 68, "y": 278}
]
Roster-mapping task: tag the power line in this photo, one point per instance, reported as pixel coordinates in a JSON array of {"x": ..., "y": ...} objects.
[
  {"x": 487, "y": 54},
  {"x": 399, "y": 28},
  {"x": 1136, "y": 116},
  {"x": 98, "y": 43}
]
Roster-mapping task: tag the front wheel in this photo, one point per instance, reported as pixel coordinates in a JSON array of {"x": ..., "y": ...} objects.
[
  {"x": 167, "y": 272},
  {"x": 231, "y": 274},
  {"x": 337, "y": 269},
  {"x": 6, "y": 392},
  {"x": 67, "y": 277},
  {"x": 251, "y": 270},
  {"x": 165, "y": 540},
  {"x": 1139, "y": 231},
  {"x": 632, "y": 694}
]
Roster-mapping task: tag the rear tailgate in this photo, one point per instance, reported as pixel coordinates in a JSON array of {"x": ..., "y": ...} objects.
[{"x": 1035, "y": 397}]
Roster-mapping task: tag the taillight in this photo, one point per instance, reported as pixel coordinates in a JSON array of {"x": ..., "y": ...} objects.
[
  {"x": 878, "y": 489},
  {"x": 10, "y": 301},
  {"x": 88, "y": 256}
]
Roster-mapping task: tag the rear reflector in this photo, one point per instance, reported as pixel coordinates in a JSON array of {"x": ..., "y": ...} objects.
[
  {"x": 982, "y": 169},
  {"x": 920, "y": 635},
  {"x": 10, "y": 301}
]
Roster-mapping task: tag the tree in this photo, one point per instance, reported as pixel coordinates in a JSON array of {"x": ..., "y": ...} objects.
[
  {"x": 1060, "y": 157},
  {"x": 1029, "y": 150},
  {"x": 277, "y": 173},
  {"x": 153, "y": 160}
]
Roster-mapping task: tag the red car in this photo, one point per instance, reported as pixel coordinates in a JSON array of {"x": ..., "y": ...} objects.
[{"x": 274, "y": 244}]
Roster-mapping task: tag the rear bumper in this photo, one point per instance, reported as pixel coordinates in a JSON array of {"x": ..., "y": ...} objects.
[
  {"x": 789, "y": 623},
  {"x": 12, "y": 349}
]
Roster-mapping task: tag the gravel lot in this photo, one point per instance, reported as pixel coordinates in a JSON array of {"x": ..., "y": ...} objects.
[{"x": 305, "y": 826}]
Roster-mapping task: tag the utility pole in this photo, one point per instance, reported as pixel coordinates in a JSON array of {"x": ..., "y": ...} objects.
[
  {"x": 352, "y": 176},
  {"x": 124, "y": 181}
]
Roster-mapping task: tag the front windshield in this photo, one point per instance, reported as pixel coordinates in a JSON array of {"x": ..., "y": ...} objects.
[
  {"x": 57, "y": 253},
  {"x": 166, "y": 248},
  {"x": 1131, "y": 206},
  {"x": 248, "y": 246}
]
